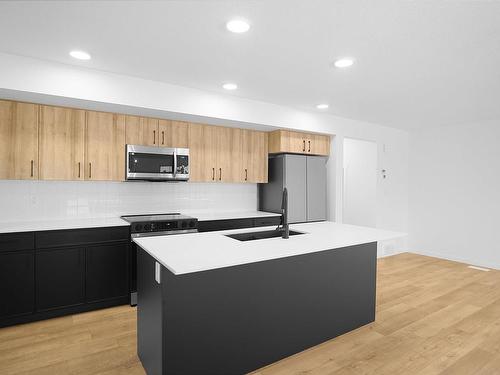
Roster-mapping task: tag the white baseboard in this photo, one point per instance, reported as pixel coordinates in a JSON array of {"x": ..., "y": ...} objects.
[
  {"x": 392, "y": 247},
  {"x": 468, "y": 261}
]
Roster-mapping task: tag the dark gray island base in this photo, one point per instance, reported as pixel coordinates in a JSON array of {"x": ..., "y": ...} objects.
[{"x": 238, "y": 319}]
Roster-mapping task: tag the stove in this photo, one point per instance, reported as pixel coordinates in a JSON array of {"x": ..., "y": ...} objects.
[
  {"x": 154, "y": 225},
  {"x": 160, "y": 224}
]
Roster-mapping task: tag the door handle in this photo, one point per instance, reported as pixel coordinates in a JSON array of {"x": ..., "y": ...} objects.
[
  {"x": 154, "y": 137},
  {"x": 32, "y": 168},
  {"x": 79, "y": 173},
  {"x": 304, "y": 146},
  {"x": 309, "y": 146},
  {"x": 220, "y": 174},
  {"x": 90, "y": 170},
  {"x": 213, "y": 174},
  {"x": 162, "y": 137},
  {"x": 246, "y": 174}
]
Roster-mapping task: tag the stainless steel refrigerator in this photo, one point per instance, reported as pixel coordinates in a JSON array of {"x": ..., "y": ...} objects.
[{"x": 304, "y": 177}]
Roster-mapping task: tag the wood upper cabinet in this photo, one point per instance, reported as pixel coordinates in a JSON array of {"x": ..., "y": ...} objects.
[
  {"x": 105, "y": 147},
  {"x": 298, "y": 143},
  {"x": 217, "y": 153},
  {"x": 202, "y": 153},
  {"x": 320, "y": 144},
  {"x": 147, "y": 131},
  {"x": 254, "y": 156},
  {"x": 229, "y": 154},
  {"x": 61, "y": 143},
  {"x": 173, "y": 133},
  {"x": 18, "y": 140},
  {"x": 141, "y": 131}
]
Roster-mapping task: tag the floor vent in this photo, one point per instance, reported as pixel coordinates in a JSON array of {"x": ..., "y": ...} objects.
[{"x": 479, "y": 268}]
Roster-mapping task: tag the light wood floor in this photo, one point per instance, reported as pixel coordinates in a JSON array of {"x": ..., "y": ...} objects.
[{"x": 433, "y": 317}]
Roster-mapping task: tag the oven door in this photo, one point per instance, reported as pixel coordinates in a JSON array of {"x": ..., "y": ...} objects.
[
  {"x": 182, "y": 164},
  {"x": 150, "y": 163}
]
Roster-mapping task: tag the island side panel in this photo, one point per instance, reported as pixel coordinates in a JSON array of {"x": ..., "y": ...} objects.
[
  {"x": 237, "y": 319},
  {"x": 149, "y": 314}
]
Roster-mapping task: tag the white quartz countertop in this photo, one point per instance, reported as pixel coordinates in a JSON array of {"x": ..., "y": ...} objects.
[
  {"x": 187, "y": 253},
  {"x": 74, "y": 223},
  {"x": 56, "y": 224}
]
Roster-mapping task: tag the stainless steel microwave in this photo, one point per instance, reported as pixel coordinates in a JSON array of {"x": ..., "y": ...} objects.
[{"x": 157, "y": 163}]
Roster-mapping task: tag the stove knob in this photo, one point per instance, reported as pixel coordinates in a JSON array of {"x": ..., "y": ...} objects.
[
  {"x": 184, "y": 224},
  {"x": 147, "y": 227},
  {"x": 191, "y": 224},
  {"x": 138, "y": 227}
]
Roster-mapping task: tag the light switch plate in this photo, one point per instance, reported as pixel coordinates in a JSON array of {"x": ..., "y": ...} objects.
[{"x": 158, "y": 272}]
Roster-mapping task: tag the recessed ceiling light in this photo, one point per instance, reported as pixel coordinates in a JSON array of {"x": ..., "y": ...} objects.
[
  {"x": 322, "y": 106},
  {"x": 80, "y": 55},
  {"x": 230, "y": 86},
  {"x": 238, "y": 26},
  {"x": 343, "y": 63}
]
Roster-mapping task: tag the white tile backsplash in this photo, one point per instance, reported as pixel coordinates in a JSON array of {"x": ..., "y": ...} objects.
[{"x": 39, "y": 200}]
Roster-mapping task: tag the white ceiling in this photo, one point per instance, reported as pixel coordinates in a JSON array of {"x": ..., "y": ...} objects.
[{"x": 418, "y": 63}]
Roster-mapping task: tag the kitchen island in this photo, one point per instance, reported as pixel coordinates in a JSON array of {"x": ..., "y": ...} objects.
[{"x": 210, "y": 304}]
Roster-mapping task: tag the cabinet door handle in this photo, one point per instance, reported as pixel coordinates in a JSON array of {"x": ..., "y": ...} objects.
[
  {"x": 309, "y": 146},
  {"x": 90, "y": 170},
  {"x": 304, "y": 146},
  {"x": 220, "y": 174},
  {"x": 32, "y": 168},
  {"x": 162, "y": 137},
  {"x": 213, "y": 174},
  {"x": 154, "y": 137},
  {"x": 79, "y": 173},
  {"x": 246, "y": 174}
]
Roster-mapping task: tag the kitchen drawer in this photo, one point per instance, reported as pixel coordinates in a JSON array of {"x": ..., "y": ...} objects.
[
  {"x": 267, "y": 221},
  {"x": 17, "y": 241},
  {"x": 77, "y": 237},
  {"x": 214, "y": 225}
]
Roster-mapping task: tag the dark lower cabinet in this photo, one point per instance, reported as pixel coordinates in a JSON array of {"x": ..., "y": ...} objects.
[
  {"x": 54, "y": 273},
  {"x": 60, "y": 278},
  {"x": 107, "y": 272},
  {"x": 17, "y": 283}
]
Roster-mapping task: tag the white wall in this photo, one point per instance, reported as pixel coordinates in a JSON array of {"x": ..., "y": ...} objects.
[
  {"x": 360, "y": 182},
  {"x": 455, "y": 193},
  {"x": 40, "y": 81},
  {"x": 41, "y": 200}
]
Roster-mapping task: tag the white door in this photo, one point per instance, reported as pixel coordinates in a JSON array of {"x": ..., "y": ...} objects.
[{"x": 360, "y": 183}]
